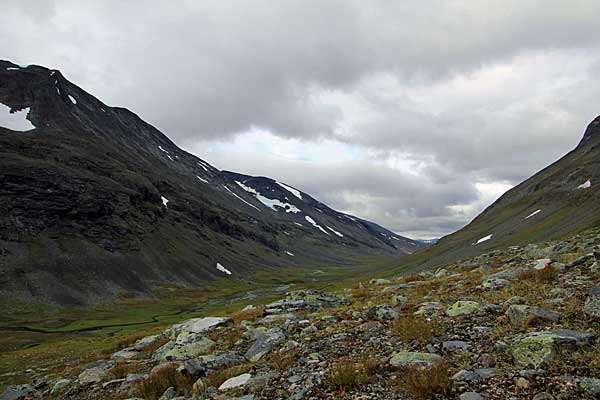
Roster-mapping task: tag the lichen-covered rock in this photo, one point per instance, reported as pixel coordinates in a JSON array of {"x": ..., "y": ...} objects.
[
  {"x": 494, "y": 283},
  {"x": 19, "y": 392},
  {"x": 414, "y": 359},
  {"x": 186, "y": 345},
  {"x": 95, "y": 372},
  {"x": 465, "y": 307},
  {"x": 383, "y": 313},
  {"x": 539, "y": 348},
  {"x": 592, "y": 303},
  {"x": 522, "y": 316},
  {"x": 591, "y": 386},
  {"x": 144, "y": 342},
  {"x": 59, "y": 385},
  {"x": 306, "y": 299}
]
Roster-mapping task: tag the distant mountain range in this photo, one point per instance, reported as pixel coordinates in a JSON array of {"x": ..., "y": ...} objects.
[{"x": 96, "y": 202}]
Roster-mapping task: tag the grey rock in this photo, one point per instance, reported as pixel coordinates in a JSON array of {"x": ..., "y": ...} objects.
[
  {"x": 470, "y": 396},
  {"x": 455, "y": 345},
  {"x": 495, "y": 283},
  {"x": 264, "y": 343},
  {"x": 16, "y": 392},
  {"x": 538, "y": 348},
  {"x": 142, "y": 343},
  {"x": 522, "y": 316},
  {"x": 408, "y": 359},
  {"x": 592, "y": 303},
  {"x": 95, "y": 373},
  {"x": 186, "y": 345},
  {"x": 591, "y": 386},
  {"x": 169, "y": 394},
  {"x": 59, "y": 385}
]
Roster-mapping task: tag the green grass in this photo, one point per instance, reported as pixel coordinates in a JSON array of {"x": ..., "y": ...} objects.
[{"x": 65, "y": 345}]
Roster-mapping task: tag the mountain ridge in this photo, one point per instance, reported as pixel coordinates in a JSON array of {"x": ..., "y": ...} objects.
[{"x": 99, "y": 202}]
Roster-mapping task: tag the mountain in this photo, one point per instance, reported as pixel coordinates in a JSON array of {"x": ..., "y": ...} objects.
[
  {"x": 97, "y": 202},
  {"x": 561, "y": 200}
]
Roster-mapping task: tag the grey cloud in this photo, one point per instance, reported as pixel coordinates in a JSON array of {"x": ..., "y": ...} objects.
[{"x": 211, "y": 70}]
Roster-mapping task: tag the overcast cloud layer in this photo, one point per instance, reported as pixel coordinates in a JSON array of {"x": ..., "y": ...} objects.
[{"x": 416, "y": 115}]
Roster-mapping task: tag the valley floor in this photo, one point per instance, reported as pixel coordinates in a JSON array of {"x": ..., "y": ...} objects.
[{"x": 519, "y": 323}]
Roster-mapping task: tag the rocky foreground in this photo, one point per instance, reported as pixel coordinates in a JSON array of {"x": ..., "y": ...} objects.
[{"x": 520, "y": 323}]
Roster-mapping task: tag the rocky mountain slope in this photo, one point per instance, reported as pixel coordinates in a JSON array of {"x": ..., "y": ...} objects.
[
  {"x": 560, "y": 200},
  {"x": 96, "y": 202},
  {"x": 517, "y": 323}
]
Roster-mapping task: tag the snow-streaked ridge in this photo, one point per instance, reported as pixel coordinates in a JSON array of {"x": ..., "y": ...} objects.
[
  {"x": 314, "y": 223},
  {"x": 290, "y": 189},
  {"x": 273, "y": 204}
]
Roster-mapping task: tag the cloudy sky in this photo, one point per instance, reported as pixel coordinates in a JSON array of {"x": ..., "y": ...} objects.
[{"x": 414, "y": 114}]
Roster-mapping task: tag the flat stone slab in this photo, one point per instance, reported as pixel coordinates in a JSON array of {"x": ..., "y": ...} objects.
[
  {"x": 264, "y": 343},
  {"x": 235, "y": 382},
  {"x": 199, "y": 325},
  {"x": 414, "y": 359}
]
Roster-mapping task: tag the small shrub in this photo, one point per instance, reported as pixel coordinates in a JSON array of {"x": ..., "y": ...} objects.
[
  {"x": 424, "y": 383},
  {"x": 346, "y": 375},
  {"x": 410, "y": 327},
  {"x": 248, "y": 315},
  {"x": 360, "y": 293},
  {"x": 544, "y": 275},
  {"x": 412, "y": 278},
  {"x": 155, "y": 385},
  {"x": 122, "y": 370},
  {"x": 283, "y": 360}
]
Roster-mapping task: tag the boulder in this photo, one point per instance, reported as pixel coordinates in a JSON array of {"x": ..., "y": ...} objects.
[
  {"x": 522, "y": 316},
  {"x": 413, "y": 359},
  {"x": 494, "y": 283},
  {"x": 19, "y": 392},
  {"x": 465, "y": 307},
  {"x": 264, "y": 343},
  {"x": 200, "y": 325},
  {"x": 142, "y": 343},
  {"x": 235, "y": 382},
  {"x": 538, "y": 348},
  {"x": 96, "y": 372},
  {"x": 185, "y": 346},
  {"x": 383, "y": 313},
  {"x": 591, "y": 386},
  {"x": 592, "y": 303},
  {"x": 59, "y": 385}
]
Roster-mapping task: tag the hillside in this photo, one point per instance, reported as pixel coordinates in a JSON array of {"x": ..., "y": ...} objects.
[
  {"x": 96, "y": 202},
  {"x": 561, "y": 200}
]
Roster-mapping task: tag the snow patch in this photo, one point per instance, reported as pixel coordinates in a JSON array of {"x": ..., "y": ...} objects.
[
  {"x": 290, "y": 189},
  {"x": 72, "y": 99},
  {"x": 350, "y": 218},
  {"x": 164, "y": 200},
  {"x": 484, "y": 239},
  {"x": 586, "y": 185},
  {"x": 334, "y": 231},
  {"x": 290, "y": 254},
  {"x": 239, "y": 198},
  {"x": 223, "y": 269},
  {"x": 202, "y": 180},
  {"x": 536, "y": 212},
  {"x": 204, "y": 165},
  {"x": 163, "y": 150},
  {"x": 12, "y": 69},
  {"x": 273, "y": 204},
  {"x": 16, "y": 121},
  {"x": 314, "y": 223},
  {"x": 297, "y": 223}
]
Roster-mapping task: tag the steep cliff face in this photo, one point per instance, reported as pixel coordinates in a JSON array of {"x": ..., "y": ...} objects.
[{"x": 96, "y": 201}]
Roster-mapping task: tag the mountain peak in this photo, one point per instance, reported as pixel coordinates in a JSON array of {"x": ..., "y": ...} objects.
[{"x": 592, "y": 131}]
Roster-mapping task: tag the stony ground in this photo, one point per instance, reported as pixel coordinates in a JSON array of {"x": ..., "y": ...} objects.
[{"x": 520, "y": 323}]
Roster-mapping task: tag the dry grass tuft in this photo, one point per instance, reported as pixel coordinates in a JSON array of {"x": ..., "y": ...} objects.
[
  {"x": 424, "y": 383},
  {"x": 122, "y": 370},
  {"x": 283, "y": 360},
  {"x": 155, "y": 385},
  {"x": 360, "y": 293},
  {"x": 410, "y": 327},
  {"x": 544, "y": 275},
  {"x": 248, "y": 315},
  {"x": 346, "y": 375}
]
